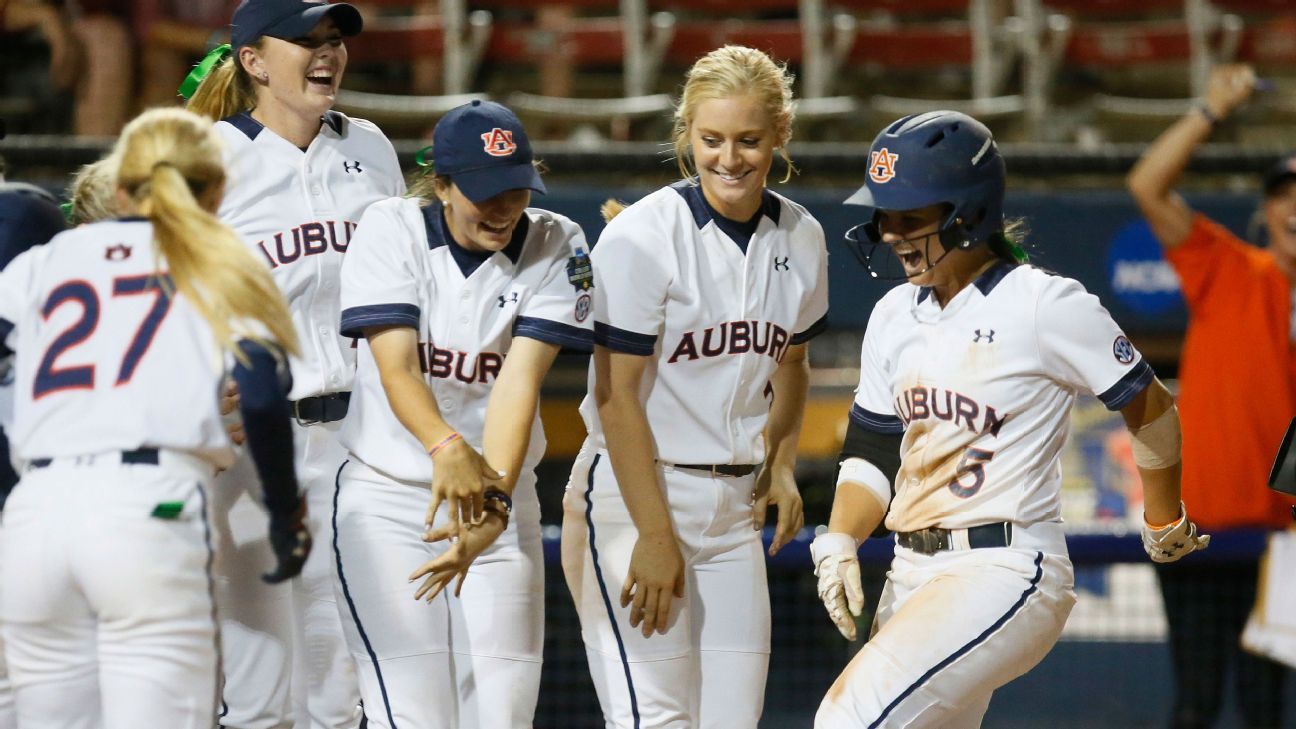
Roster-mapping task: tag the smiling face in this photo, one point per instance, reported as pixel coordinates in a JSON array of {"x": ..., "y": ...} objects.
[
  {"x": 912, "y": 237},
  {"x": 301, "y": 75},
  {"x": 485, "y": 226},
  {"x": 733, "y": 140}
]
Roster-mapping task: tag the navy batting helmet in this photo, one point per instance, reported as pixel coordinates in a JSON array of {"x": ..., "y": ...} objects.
[
  {"x": 29, "y": 216},
  {"x": 940, "y": 157}
]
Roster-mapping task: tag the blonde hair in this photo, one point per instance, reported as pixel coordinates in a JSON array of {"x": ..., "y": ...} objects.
[
  {"x": 169, "y": 160},
  {"x": 735, "y": 71},
  {"x": 611, "y": 208},
  {"x": 94, "y": 191},
  {"x": 226, "y": 91}
]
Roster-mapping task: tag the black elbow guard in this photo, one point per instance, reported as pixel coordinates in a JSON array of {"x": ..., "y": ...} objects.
[{"x": 880, "y": 449}]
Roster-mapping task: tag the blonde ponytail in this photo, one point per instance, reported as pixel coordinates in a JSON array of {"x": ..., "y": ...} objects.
[
  {"x": 226, "y": 91},
  {"x": 170, "y": 165}
]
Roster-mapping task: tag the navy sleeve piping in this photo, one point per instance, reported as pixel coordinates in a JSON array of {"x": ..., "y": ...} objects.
[
  {"x": 813, "y": 331},
  {"x": 1128, "y": 387},
  {"x": 876, "y": 422},
  {"x": 356, "y": 318},
  {"x": 554, "y": 332},
  {"x": 621, "y": 340}
]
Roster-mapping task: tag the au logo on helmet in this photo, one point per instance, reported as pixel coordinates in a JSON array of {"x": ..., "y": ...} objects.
[
  {"x": 499, "y": 142},
  {"x": 882, "y": 165}
]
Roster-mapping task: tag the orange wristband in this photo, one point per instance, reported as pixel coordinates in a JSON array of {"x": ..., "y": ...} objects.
[{"x": 444, "y": 442}]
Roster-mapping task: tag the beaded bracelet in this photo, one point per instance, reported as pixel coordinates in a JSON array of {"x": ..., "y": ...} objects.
[{"x": 444, "y": 442}]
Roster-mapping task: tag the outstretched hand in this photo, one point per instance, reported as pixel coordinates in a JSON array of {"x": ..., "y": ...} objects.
[{"x": 466, "y": 543}]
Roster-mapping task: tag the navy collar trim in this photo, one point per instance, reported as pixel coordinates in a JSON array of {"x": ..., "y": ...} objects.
[
  {"x": 703, "y": 213},
  {"x": 438, "y": 234},
  {"x": 336, "y": 121},
  {"x": 985, "y": 283},
  {"x": 244, "y": 122},
  {"x": 250, "y": 127}
]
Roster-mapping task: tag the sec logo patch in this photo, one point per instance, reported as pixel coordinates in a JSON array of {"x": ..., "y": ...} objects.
[
  {"x": 1123, "y": 350},
  {"x": 582, "y": 307}
]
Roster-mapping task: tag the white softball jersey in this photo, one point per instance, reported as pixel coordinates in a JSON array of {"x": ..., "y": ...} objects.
[
  {"x": 404, "y": 269},
  {"x": 109, "y": 361},
  {"x": 298, "y": 210},
  {"x": 982, "y": 391},
  {"x": 715, "y": 318}
]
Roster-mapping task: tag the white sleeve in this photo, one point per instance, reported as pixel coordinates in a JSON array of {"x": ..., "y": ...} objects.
[
  {"x": 874, "y": 407},
  {"x": 379, "y": 281},
  {"x": 1082, "y": 347},
  {"x": 813, "y": 318},
  {"x": 558, "y": 312},
  {"x": 630, "y": 284}
]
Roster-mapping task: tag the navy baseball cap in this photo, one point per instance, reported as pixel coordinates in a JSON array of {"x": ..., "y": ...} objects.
[
  {"x": 1283, "y": 171},
  {"x": 482, "y": 147},
  {"x": 29, "y": 217},
  {"x": 288, "y": 19}
]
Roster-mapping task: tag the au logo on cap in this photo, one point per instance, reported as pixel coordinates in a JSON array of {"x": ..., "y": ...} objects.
[
  {"x": 882, "y": 165},
  {"x": 499, "y": 142}
]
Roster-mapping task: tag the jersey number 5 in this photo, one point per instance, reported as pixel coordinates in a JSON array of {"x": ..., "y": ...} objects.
[
  {"x": 969, "y": 477},
  {"x": 50, "y": 377}
]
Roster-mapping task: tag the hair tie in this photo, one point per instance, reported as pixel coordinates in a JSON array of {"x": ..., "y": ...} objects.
[
  {"x": 420, "y": 157},
  {"x": 204, "y": 67}
]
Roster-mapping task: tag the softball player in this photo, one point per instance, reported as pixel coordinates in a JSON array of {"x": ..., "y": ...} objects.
[
  {"x": 29, "y": 216},
  {"x": 110, "y": 622},
  {"x": 464, "y": 299},
  {"x": 967, "y": 378},
  {"x": 706, "y": 293},
  {"x": 301, "y": 176}
]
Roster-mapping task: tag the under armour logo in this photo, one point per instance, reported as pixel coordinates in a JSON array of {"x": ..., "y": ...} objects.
[
  {"x": 988, "y": 336},
  {"x": 780, "y": 264},
  {"x": 352, "y": 167},
  {"x": 499, "y": 142},
  {"x": 119, "y": 252},
  {"x": 513, "y": 299},
  {"x": 882, "y": 165}
]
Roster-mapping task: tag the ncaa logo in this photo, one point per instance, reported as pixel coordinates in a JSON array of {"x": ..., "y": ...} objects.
[
  {"x": 1123, "y": 350},
  {"x": 582, "y": 308},
  {"x": 499, "y": 142},
  {"x": 882, "y": 165}
]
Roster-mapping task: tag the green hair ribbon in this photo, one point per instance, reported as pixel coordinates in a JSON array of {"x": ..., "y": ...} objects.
[
  {"x": 204, "y": 67},
  {"x": 66, "y": 209},
  {"x": 420, "y": 157}
]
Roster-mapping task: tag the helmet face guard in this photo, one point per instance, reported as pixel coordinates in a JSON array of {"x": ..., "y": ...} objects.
[{"x": 941, "y": 157}]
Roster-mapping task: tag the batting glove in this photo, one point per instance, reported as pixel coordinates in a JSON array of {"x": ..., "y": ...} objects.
[
  {"x": 291, "y": 542},
  {"x": 1173, "y": 540},
  {"x": 837, "y": 567}
]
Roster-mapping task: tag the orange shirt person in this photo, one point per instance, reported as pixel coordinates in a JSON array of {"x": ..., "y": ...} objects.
[{"x": 1237, "y": 393}]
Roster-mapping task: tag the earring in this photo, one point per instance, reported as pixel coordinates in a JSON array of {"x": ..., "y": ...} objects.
[{"x": 264, "y": 77}]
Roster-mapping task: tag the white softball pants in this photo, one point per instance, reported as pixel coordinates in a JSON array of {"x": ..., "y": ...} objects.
[
  {"x": 708, "y": 670},
  {"x": 950, "y": 629},
  {"x": 107, "y": 609},
  {"x": 285, "y": 654},
  {"x": 466, "y": 662}
]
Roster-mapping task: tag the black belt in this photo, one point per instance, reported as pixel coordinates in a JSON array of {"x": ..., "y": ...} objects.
[
  {"x": 720, "y": 469},
  {"x": 138, "y": 456},
  {"x": 321, "y": 408},
  {"x": 936, "y": 539}
]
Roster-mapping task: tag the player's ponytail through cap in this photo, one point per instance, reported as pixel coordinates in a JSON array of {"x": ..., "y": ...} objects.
[
  {"x": 735, "y": 71},
  {"x": 170, "y": 167},
  {"x": 227, "y": 90}
]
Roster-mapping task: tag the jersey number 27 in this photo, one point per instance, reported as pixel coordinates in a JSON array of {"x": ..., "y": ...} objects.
[{"x": 51, "y": 377}]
